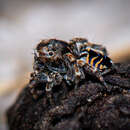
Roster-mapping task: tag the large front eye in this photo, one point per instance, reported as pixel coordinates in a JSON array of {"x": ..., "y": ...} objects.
[{"x": 51, "y": 53}]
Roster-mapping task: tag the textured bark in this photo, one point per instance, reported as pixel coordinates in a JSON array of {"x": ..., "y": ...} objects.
[{"x": 89, "y": 107}]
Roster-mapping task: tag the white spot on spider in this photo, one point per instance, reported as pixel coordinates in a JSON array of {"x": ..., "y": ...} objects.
[
  {"x": 49, "y": 79},
  {"x": 89, "y": 100},
  {"x": 48, "y": 88},
  {"x": 77, "y": 73},
  {"x": 78, "y": 44}
]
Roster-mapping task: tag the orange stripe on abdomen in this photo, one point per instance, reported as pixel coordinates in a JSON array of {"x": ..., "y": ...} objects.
[
  {"x": 96, "y": 65},
  {"x": 92, "y": 61},
  {"x": 87, "y": 59}
]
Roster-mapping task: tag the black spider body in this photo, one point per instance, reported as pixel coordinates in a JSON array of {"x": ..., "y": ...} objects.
[{"x": 56, "y": 61}]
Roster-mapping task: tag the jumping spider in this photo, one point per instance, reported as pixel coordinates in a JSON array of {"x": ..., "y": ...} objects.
[
  {"x": 56, "y": 61},
  {"x": 49, "y": 67}
]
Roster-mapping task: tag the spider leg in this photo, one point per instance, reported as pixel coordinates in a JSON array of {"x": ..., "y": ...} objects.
[
  {"x": 53, "y": 79},
  {"x": 100, "y": 77},
  {"x": 48, "y": 87},
  {"x": 33, "y": 85},
  {"x": 106, "y": 71},
  {"x": 35, "y": 92},
  {"x": 79, "y": 74},
  {"x": 97, "y": 73},
  {"x": 65, "y": 89},
  {"x": 69, "y": 62},
  {"x": 49, "y": 93},
  {"x": 75, "y": 72},
  {"x": 109, "y": 69}
]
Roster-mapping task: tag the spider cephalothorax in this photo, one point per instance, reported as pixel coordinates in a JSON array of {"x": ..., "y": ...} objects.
[{"x": 50, "y": 50}]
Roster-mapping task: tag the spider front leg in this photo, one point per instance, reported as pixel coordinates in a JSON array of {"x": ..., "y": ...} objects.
[
  {"x": 79, "y": 74},
  {"x": 54, "y": 79},
  {"x": 37, "y": 84},
  {"x": 49, "y": 93}
]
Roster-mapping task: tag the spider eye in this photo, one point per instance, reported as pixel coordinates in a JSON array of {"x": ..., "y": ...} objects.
[{"x": 51, "y": 53}]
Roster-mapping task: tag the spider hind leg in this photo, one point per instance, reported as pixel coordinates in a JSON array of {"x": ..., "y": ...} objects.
[{"x": 97, "y": 74}]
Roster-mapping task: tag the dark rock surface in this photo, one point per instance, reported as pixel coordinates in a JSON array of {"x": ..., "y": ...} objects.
[{"x": 87, "y": 108}]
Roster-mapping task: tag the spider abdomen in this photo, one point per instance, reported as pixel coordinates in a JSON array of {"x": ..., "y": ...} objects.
[{"x": 96, "y": 60}]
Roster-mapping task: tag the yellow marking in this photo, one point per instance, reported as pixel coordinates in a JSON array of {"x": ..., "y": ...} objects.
[
  {"x": 71, "y": 57},
  {"x": 80, "y": 62},
  {"x": 88, "y": 49},
  {"x": 96, "y": 65},
  {"x": 93, "y": 60},
  {"x": 76, "y": 68},
  {"x": 101, "y": 67},
  {"x": 87, "y": 59},
  {"x": 77, "y": 72}
]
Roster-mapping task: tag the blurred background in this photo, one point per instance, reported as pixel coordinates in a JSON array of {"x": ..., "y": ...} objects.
[{"x": 24, "y": 22}]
